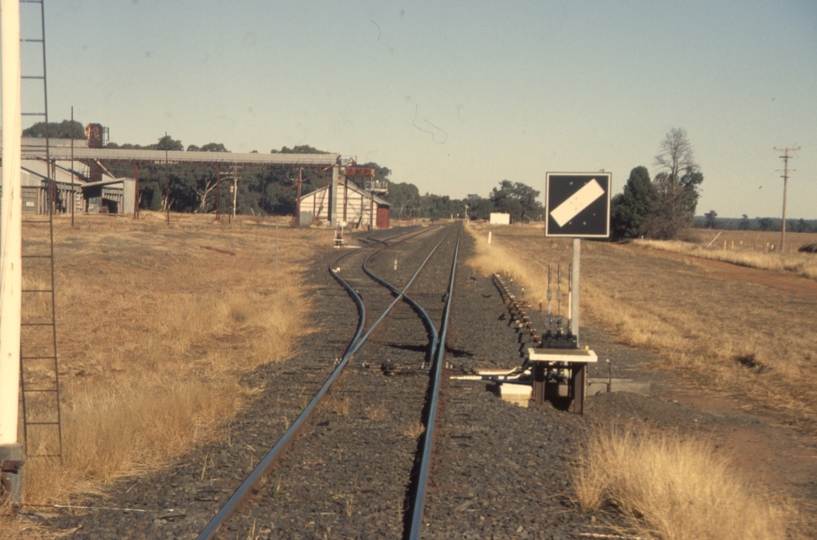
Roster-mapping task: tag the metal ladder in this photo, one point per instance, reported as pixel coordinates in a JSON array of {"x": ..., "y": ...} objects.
[{"x": 39, "y": 362}]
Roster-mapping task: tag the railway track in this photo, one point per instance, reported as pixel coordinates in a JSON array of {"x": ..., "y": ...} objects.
[
  {"x": 364, "y": 441},
  {"x": 498, "y": 471}
]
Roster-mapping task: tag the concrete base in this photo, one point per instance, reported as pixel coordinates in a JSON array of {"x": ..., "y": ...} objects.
[
  {"x": 519, "y": 394},
  {"x": 603, "y": 385},
  {"x": 12, "y": 452}
]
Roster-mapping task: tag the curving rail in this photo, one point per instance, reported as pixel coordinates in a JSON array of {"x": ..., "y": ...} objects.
[
  {"x": 357, "y": 341},
  {"x": 415, "y": 527}
]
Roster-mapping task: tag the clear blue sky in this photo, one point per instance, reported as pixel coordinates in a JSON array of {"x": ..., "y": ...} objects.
[{"x": 454, "y": 97}]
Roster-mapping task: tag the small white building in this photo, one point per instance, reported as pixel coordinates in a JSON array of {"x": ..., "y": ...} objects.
[
  {"x": 500, "y": 218},
  {"x": 354, "y": 206}
]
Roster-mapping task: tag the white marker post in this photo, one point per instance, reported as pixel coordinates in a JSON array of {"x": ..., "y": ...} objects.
[
  {"x": 574, "y": 300},
  {"x": 10, "y": 245}
]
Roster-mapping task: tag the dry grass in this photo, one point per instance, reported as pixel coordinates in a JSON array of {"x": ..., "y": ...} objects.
[
  {"x": 154, "y": 333},
  {"x": 729, "y": 336},
  {"x": 338, "y": 406},
  {"x": 753, "y": 342},
  {"x": 415, "y": 430},
  {"x": 749, "y": 240},
  {"x": 669, "y": 488},
  {"x": 375, "y": 414},
  {"x": 15, "y": 528},
  {"x": 803, "y": 264}
]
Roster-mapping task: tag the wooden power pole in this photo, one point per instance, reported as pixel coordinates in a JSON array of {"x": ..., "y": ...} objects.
[{"x": 785, "y": 157}]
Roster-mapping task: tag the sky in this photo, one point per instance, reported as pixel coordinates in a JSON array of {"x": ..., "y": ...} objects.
[{"x": 456, "y": 96}]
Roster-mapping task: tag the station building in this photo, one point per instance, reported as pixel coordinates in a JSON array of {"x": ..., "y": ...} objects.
[{"x": 351, "y": 200}]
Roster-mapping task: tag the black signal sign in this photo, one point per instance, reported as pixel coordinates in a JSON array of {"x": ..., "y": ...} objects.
[{"x": 578, "y": 204}]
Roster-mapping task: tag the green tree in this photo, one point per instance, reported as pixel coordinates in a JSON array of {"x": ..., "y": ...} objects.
[
  {"x": 744, "y": 223},
  {"x": 631, "y": 210},
  {"x": 302, "y": 149},
  {"x": 765, "y": 224},
  {"x": 168, "y": 143},
  {"x": 518, "y": 200},
  {"x": 677, "y": 186},
  {"x": 711, "y": 219},
  {"x": 800, "y": 225},
  {"x": 61, "y": 130},
  {"x": 404, "y": 199},
  {"x": 213, "y": 147},
  {"x": 479, "y": 207}
]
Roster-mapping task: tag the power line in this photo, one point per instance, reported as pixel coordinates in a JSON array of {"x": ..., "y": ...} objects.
[{"x": 785, "y": 157}]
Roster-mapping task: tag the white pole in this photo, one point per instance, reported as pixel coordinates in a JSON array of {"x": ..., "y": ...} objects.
[
  {"x": 235, "y": 188},
  {"x": 333, "y": 198},
  {"x": 574, "y": 300},
  {"x": 10, "y": 243},
  {"x": 10, "y": 247}
]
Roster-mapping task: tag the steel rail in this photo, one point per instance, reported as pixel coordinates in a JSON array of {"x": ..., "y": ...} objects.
[
  {"x": 408, "y": 235},
  {"x": 429, "y": 324},
  {"x": 357, "y": 341},
  {"x": 428, "y": 440},
  {"x": 400, "y": 296}
]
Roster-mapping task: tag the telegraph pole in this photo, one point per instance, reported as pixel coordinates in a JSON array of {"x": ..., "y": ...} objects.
[{"x": 785, "y": 157}]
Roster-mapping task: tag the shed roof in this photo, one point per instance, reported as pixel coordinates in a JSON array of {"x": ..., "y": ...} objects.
[{"x": 34, "y": 149}]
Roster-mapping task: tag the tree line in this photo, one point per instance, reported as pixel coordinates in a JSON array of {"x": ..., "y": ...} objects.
[
  {"x": 659, "y": 207},
  {"x": 514, "y": 198},
  {"x": 272, "y": 190},
  {"x": 710, "y": 220}
]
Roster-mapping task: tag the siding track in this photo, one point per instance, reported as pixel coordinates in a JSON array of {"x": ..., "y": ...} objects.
[{"x": 364, "y": 470}]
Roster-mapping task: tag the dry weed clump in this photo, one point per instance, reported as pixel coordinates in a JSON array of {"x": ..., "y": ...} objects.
[
  {"x": 130, "y": 429},
  {"x": 154, "y": 333},
  {"x": 415, "y": 430},
  {"x": 669, "y": 488},
  {"x": 803, "y": 264},
  {"x": 338, "y": 406},
  {"x": 375, "y": 414}
]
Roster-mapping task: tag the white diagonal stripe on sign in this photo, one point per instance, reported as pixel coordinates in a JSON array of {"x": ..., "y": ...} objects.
[{"x": 577, "y": 202}]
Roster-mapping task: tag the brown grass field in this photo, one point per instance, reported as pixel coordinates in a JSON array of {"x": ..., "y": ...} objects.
[
  {"x": 156, "y": 324},
  {"x": 750, "y": 240},
  {"x": 736, "y": 337},
  {"x": 754, "y": 249},
  {"x": 729, "y": 335}
]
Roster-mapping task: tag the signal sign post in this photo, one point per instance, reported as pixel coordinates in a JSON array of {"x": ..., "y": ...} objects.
[{"x": 577, "y": 206}]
